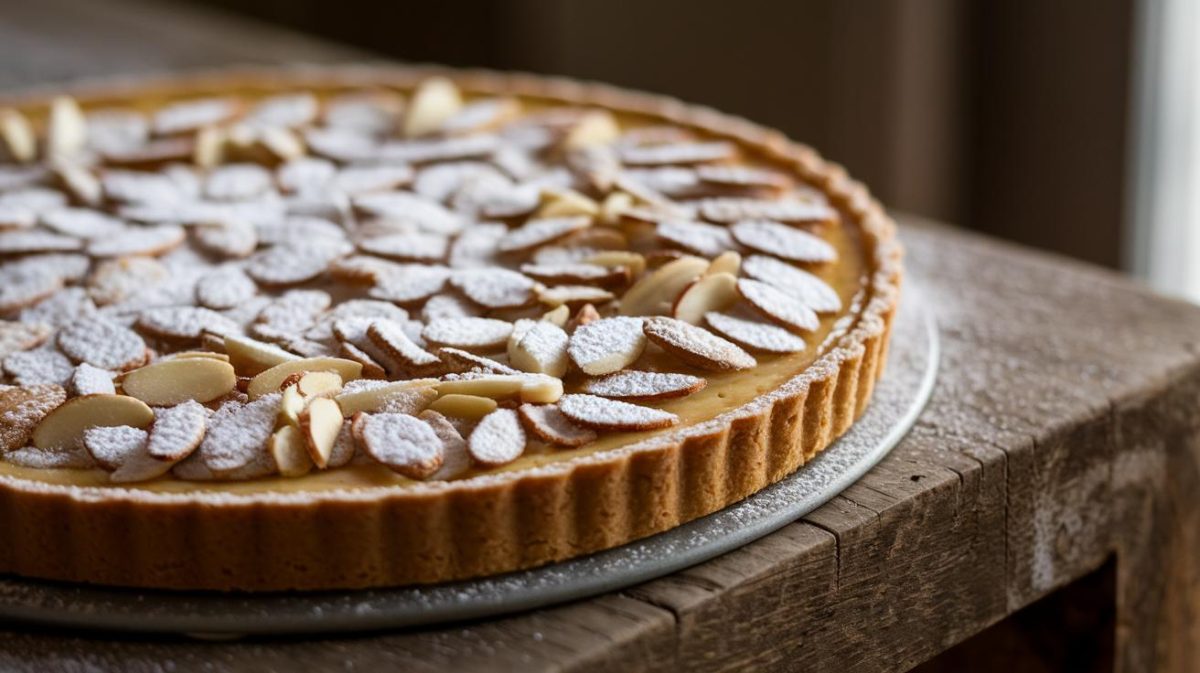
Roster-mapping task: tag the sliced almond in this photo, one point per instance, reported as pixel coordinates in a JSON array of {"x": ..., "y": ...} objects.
[
  {"x": 390, "y": 337},
  {"x": 320, "y": 424},
  {"x": 17, "y": 137},
  {"x": 23, "y": 408},
  {"x": 498, "y": 439},
  {"x": 715, "y": 292},
  {"x": 558, "y": 315},
  {"x": 538, "y": 347},
  {"x": 459, "y": 361},
  {"x": 481, "y": 115},
  {"x": 778, "y": 306},
  {"x": 471, "y": 334},
  {"x": 66, "y": 128},
  {"x": 175, "y": 381},
  {"x": 678, "y": 153},
  {"x": 291, "y": 405},
  {"x": 250, "y": 357},
  {"x": 20, "y": 336},
  {"x": 541, "y": 231},
  {"x": 113, "y": 445},
  {"x": 79, "y": 183},
  {"x": 633, "y": 261},
  {"x": 456, "y": 460},
  {"x": 601, "y": 413},
  {"x": 102, "y": 343},
  {"x": 607, "y": 345},
  {"x": 471, "y": 407},
  {"x": 29, "y": 368},
  {"x": 632, "y": 384},
  {"x": 290, "y": 452},
  {"x": 528, "y": 387},
  {"x": 566, "y": 203},
  {"x": 435, "y": 101},
  {"x": 656, "y": 292},
  {"x": 211, "y": 355},
  {"x": 754, "y": 335},
  {"x": 730, "y": 210},
  {"x": 177, "y": 431},
  {"x": 573, "y": 295},
  {"x": 782, "y": 241},
  {"x": 577, "y": 274},
  {"x": 699, "y": 238},
  {"x": 401, "y": 442},
  {"x": 235, "y": 444},
  {"x": 729, "y": 262},
  {"x": 371, "y": 367},
  {"x": 549, "y": 424},
  {"x": 319, "y": 384},
  {"x": 269, "y": 380},
  {"x": 494, "y": 287},
  {"x": 696, "y": 346},
  {"x": 63, "y": 428},
  {"x": 597, "y": 127},
  {"x": 614, "y": 207},
  {"x": 89, "y": 380},
  {"x": 586, "y": 314},
  {"x": 810, "y": 289},
  {"x": 373, "y": 398}
]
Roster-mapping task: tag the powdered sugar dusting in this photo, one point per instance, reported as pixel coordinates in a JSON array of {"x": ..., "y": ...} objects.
[
  {"x": 639, "y": 384},
  {"x": 498, "y": 439}
]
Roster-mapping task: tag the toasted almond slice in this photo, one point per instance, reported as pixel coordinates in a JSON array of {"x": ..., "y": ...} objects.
[
  {"x": 290, "y": 452},
  {"x": 481, "y": 115},
  {"x": 150, "y": 240},
  {"x": 714, "y": 292},
  {"x": 291, "y": 405},
  {"x": 472, "y": 334},
  {"x": 780, "y": 240},
  {"x": 696, "y": 346},
  {"x": 66, "y": 129},
  {"x": 102, "y": 343},
  {"x": 586, "y": 314},
  {"x": 89, "y": 380},
  {"x": 498, "y": 439},
  {"x": 17, "y": 137},
  {"x": 597, "y": 127},
  {"x": 494, "y": 287},
  {"x": 456, "y": 460},
  {"x": 549, "y": 424},
  {"x": 401, "y": 442},
  {"x": 729, "y": 262},
  {"x": 632, "y": 384},
  {"x": 538, "y": 347},
  {"x": 250, "y": 357},
  {"x": 20, "y": 336},
  {"x": 116, "y": 279},
  {"x": 460, "y": 360},
  {"x": 633, "y": 261},
  {"x": 113, "y": 445},
  {"x": 540, "y": 231},
  {"x": 23, "y": 408},
  {"x": 742, "y": 176},
  {"x": 528, "y": 387},
  {"x": 79, "y": 182},
  {"x": 435, "y": 101},
  {"x": 184, "y": 323},
  {"x": 614, "y": 207},
  {"x": 63, "y": 428},
  {"x": 601, "y": 413},
  {"x": 656, "y": 292},
  {"x": 558, "y": 315},
  {"x": 390, "y": 337},
  {"x": 225, "y": 288},
  {"x": 756, "y": 336},
  {"x": 223, "y": 357},
  {"x": 28, "y": 368},
  {"x": 374, "y": 398},
  {"x": 730, "y": 210},
  {"x": 699, "y": 238},
  {"x": 235, "y": 445},
  {"x": 177, "y": 431},
  {"x": 320, "y": 424},
  {"x": 319, "y": 384},
  {"x": 577, "y": 274},
  {"x": 808, "y": 288},
  {"x": 607, "y": 345},
  {"x": 778, "y": 306},
  {"x": 269, "y": 381},
  {"x": 573, "y": 295},
  {"x": 229, "y": 240},
  {"x": 471, "y": 407},
  {"x": 566, "y": 203},
  {"x": 678, "y": 153},
  {"x": 175, "y": 381},
  {"x": 371, "y": 368}
]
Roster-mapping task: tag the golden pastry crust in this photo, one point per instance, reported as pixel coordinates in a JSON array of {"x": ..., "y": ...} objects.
[{"x": 440, "y": 531}]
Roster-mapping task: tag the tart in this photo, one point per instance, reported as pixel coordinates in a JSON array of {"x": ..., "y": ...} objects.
[{"x": 378, "y": 326}]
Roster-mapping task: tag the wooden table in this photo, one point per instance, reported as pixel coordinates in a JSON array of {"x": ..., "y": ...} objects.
[{"x": 1060, "y": 449}]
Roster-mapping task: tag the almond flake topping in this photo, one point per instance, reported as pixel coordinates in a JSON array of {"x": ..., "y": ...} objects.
[
  {"x": 754, "y": 335},
  {"x": 777, "y": 306},
  {"x": 473, "y": 334},
  {"x": 112, "y": 446},
  {"x": 542, "y": 231},
  {"x": 184, "y": 323},
  {"x": 677, "y": 153},
  {"x": 414, "y": 247},
  {"x": 601, "y": 413},
  {"x": 732, "y": 210},
  {"x": 741, "y": 176},
  {"x": 153, "y": 241},
  {"x": 390, "y": 337},
  {"x": 116, "y": 280},
  {"x": 82, "y": 222},
  {"x": 409, "y": 284},
  {"x": 456, "y": 459},
  {"x": 696, "y": 346},
  {"x": 22, "y": 408},
  {"x": 632, "y": 384},
  {"x": 808, "y": 288},
  {"x": 549, "y": 424},
  {"x": 29, "y": 368},
  {"x": 498, "y": 439},
  {"x": 225, "y": 288},
  {"x": 783, "y": 241},
  {"x": 24, "y": 242},
  {"x": 20, "y": 336},
  {"x": 576, "y": 274},
  {"x": 104, "y": 344},
  {"x": 237, "y": 435},
  {"x": 89, "y": 380},
  {"x": 177, "y": 431},
  {"x": 607, "y": 345},
  {"x": 539, "y": 347},
  {"x": 709, "y": 240},
  {"x": 191, "y": 115},
  {"x": 402, "y": 443},
  {"x": 494, "y": 287}
]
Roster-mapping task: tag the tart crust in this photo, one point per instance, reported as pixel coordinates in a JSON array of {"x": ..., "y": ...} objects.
[{"x": 435, "y": 532}]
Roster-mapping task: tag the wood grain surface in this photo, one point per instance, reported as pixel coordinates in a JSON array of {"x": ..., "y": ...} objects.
[{"x": 1062, "y": 435}]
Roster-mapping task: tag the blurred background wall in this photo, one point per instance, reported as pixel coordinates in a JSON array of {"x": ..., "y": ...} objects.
[{"x": 1007, "y": 116}]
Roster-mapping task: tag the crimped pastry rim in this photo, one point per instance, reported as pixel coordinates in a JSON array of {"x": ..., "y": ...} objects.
[{"x": 856, "y": 358}]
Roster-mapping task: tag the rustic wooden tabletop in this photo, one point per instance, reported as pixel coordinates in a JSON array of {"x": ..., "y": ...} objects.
[{"x": 1062, "y": 444}]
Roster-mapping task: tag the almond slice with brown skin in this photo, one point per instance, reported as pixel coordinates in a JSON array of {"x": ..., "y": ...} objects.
[
  {"x": 586, "y": 314},
  {"x": 20, "y": 336},
  {"x": 780, "y": 240},
  {"x": 699, "y": 238},
  {"x": 471, "y": 334},
  {"x": 639, "y": 385},
  {"x": 600, "y": 413},
  {"x": 111, "y": 446},
  {"x": 456, "y": 459},
  {"x": 540, "y": 231},
  {"x": 577, "y": 274},
  {"x": 778, "y": 306},
  {"x": 458, "y": 361},
  {"x": 371, "y": 368},
  {"x": 373, "y": 398},
  {"x": 810, "y": 289},
  {"x": 320, "y": 424},
  {"x": 730, "y": 210},
  {"x": 63, "y": 428},
  {"x": 403, "y": 443},
  {"x": 23, "y": 408},
  {"x": 715, "y": 292},
  {"x": 250, "y": 357},
  {"x": 175, "y": 381},
  {"x": 607, "y": 345},
  {"x": 756, "y": 336},
  {"x": 494, "y": 287},
  {"x": 633, "y": 261},
  {"x": 269, "y": 380},
  {"x": 696, "y": 346},
  {"x": 288, "y": 449},
  {"x": 549, "y": 424},
  {"x": 498, "y": 439},
  {"x": 655, "y": 293},
  {"x": 177, "y": 431}
]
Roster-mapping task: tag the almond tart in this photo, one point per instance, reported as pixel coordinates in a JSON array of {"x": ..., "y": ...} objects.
[{"x": 350, "y": 327}]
